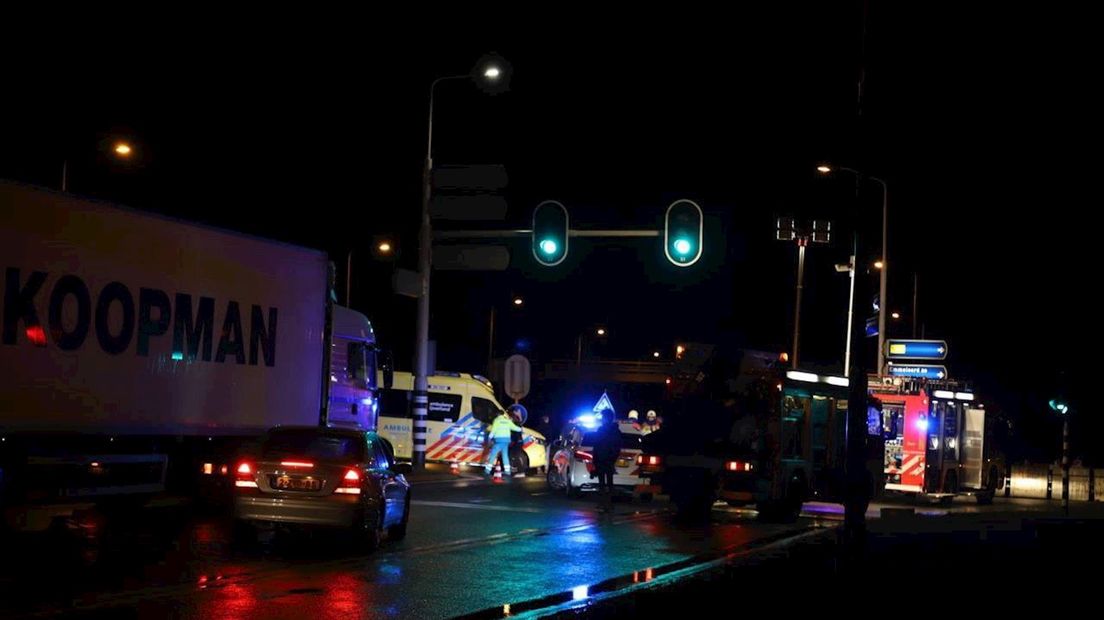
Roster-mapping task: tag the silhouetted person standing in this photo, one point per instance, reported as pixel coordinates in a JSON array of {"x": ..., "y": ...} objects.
[{"x": 607, "y": 447}]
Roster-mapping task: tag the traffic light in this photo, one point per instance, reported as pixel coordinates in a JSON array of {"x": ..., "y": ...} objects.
[
  {"x": 550, "y": 233},
  {"x": 1059, "y": 406},
  {"x": 682, "y": 233}
]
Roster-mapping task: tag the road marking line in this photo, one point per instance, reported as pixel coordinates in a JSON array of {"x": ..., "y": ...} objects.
[{"x": 418, "y": 502}]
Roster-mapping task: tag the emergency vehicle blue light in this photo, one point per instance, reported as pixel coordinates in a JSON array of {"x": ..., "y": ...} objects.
[
  {"x": 579, "y": 592},
  {"x": 922, "y": 424},
  {"x": 588, "y": 420}
]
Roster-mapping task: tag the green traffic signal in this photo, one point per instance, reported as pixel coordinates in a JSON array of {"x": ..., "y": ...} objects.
[
  {"x": 549, "y": 247},
  {"x": 1059, "y": 406},
  {"x": 682, "y": 246},
  {"x": 550, "y": 233},
  {"x": 682, "y": 233}
]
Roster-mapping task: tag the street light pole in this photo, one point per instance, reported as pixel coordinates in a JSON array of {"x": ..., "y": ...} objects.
[
  {"x": 1065, "y": 464},
  {"x": 882, "y": 301},
  {"x": 797, "y": 304},
  {"x": 493, "y": 71},
  {"x": 425, "y": 253},
  {"x": 850, "y": 319}
]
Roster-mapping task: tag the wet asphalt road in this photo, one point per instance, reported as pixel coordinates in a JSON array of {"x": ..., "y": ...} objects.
[{"x": 471, "y": 545}]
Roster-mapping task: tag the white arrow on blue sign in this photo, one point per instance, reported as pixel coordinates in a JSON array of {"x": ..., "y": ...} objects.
[
  {"x": 918, "y": 371},
  {"x": 916, "y": 349}
]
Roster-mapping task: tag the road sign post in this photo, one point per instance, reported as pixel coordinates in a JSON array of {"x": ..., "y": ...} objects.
[{"x": 516, "y": 375}]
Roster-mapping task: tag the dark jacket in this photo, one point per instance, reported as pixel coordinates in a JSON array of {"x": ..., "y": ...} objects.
[{"x": 607, "y": 445}]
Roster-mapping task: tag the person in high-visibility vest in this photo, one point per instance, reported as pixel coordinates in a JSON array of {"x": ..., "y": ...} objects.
[{"x": 499, "y": 433}]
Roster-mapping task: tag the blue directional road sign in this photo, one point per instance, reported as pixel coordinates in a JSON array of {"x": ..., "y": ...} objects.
[
  {"x": 872, "y": 327},
  {"x": 916, "y": 349},
  {"x": 918, "y": 371}
]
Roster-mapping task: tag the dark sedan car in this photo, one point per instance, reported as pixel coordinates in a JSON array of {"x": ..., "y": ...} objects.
[{"x": 327, "y": 478}]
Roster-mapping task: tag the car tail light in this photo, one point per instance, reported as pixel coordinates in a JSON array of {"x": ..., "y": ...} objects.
[
  {"x": 648, "y": 459},
  {"x": 297, "y": 464},
  {"x": 587, "y": 459},
  {"x": 243, "y": 476},
  {"x": 350, "y": 483},
  {"x": 739, "y": 466}
]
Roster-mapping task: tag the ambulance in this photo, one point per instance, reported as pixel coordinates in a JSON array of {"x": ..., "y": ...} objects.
[{"x": 461, "y": 405}]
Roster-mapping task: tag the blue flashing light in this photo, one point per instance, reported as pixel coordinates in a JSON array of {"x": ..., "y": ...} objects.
[
  {"x": 589, "y": 420},
  {"x": 922, "y": 424},
  {"x": 579, "y": 593}
]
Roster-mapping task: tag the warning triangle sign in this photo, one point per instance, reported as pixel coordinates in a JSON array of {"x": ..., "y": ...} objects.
[{"x": 604, "y": 404}]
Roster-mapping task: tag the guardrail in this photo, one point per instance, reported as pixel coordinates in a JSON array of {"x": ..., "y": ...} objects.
[{"x": 1035, "y": 481}]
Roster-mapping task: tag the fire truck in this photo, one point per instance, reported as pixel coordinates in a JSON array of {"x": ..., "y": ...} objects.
[
  {"x": 935, "y": 440},
  {"x": 778, "y": 441},
  {"x": 782, "y": 442}
]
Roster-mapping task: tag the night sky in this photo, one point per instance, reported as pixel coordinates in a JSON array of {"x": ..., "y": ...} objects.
[{"x": 983, "y": 124}]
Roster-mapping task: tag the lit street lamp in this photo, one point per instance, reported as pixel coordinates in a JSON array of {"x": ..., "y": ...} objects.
[
  {"x": 492, "y": 75},
  {"x": 121, "y": 149}
]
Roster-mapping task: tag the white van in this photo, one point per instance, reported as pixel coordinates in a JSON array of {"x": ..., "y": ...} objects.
[{"x": 460, "y": 407}]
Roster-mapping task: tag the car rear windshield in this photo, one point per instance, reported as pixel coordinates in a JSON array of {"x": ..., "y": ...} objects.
[{"x": 309, "y": 443}]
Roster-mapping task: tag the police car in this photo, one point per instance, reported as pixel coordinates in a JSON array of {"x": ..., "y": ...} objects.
[{"x": 571, "y": 462}]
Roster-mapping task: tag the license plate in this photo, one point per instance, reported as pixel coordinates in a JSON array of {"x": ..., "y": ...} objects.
[{"x": 297, "y": 484}]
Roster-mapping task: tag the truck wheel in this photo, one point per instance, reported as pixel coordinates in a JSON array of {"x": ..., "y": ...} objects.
[
  {"x": 693, "y": 502},
  {"x": 692, "y": 508}
]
